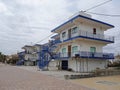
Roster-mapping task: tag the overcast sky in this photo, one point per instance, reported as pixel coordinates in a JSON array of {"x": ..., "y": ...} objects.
[{"x": 28, "y": 21}]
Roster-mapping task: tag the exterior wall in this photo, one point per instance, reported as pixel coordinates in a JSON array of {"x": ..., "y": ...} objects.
[
  {"x": 83, "y": 46},
  {"x": 37, "y": 48},
  {"x": 29, "y": 63},
  {"x": 86, "y": 65},
  {"x": 84, "y": 27},
  {"x": 89, "y": 28},
  {"x": 29, "y": 49},
  {"x": 66, "y": 30},
  {"x": 53, "y": 65}
]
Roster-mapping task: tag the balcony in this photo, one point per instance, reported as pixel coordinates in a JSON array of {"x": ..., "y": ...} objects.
[
  {"x": 88, "y": 35},
  {"x": 84, "y": 54}
]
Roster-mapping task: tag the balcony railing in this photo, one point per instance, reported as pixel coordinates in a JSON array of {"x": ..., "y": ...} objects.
[
  {"x": 85, "y": 34},
  {"x": 84, "y": 54}
]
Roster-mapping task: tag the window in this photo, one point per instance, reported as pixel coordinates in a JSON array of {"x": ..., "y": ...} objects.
[
  {"x": 63, "y": 34},
  {"x": 64, "y": 50},
  {"x": 75, "y": 49},
  {"x": 93, "y": 49},
  {"x": 94, "y": 30},
  {"x": 74, "y": 30}
]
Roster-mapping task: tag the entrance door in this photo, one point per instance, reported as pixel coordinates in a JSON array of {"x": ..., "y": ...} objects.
[
  {"x": 64, "y": 65},
  {"x": 69, "y": 33},
  {"x": 69, "y": 51}
]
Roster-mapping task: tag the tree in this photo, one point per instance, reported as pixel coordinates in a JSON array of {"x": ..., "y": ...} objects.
[{"x": 2, "y": 57}]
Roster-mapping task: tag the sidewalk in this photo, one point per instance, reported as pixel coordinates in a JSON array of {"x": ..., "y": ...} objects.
[{"x": 55, "y": 73}]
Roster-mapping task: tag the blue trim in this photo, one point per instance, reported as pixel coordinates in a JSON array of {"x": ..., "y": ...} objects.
[
  {"x": 97, "y": 57},
  {"x": 88, "y": 38},
  {"x": 88, "y": 55},
  {"x": 84, "y": 18}
]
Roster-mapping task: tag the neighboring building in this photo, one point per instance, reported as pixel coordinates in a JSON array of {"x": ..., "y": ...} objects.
[
  {"x": 82, "y": 41},
  {"x": 21, "y": 56},
  {"x": 29, "y": 57}
]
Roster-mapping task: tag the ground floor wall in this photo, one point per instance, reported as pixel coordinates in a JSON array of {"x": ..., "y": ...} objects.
[
  {"x": 86, "y": 65},
  {"x": 78, "y": 65},
  {"x": 54, "y": 65},
  {"x": 30, "y": 63}
]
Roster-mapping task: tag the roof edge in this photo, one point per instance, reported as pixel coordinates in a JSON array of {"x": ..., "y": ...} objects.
[{"x": 112, "y": 26}]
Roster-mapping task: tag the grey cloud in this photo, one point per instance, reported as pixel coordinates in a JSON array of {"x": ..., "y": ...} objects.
[{"x": 31, "y": 22}]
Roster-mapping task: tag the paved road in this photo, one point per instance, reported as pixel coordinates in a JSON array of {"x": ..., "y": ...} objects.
[{"x": 12, "y": 78}]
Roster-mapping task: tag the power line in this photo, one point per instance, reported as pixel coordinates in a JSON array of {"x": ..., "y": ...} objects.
[
  {"x": 97, "y": 5},
  {"x": 110, "y": 15},
  {"x": 45, "y": 38},
  {"x": 92, "y": 7}
]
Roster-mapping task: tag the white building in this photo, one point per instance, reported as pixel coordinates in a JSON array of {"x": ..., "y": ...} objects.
[
  {"x": 82, "y": 41},
  {"x": 29, "y": 57}
]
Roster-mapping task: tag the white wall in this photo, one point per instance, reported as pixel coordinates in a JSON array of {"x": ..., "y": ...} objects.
[
  {"x": 89, "y": 28},
  {"x": 86, "y": 65},
  {"x": 83, "y": 27},
  {"x": 37, "y": 48},
  {"x": 83, "y": 46}
]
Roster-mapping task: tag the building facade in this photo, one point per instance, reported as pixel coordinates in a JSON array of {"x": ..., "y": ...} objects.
[{"x": 82, "y": 41}]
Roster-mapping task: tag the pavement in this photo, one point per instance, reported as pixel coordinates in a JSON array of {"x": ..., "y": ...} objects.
[
  {"x": 100, "y": 83},
  {"x": 55, "y": 73},
  {"x": 13, "y": 78}
]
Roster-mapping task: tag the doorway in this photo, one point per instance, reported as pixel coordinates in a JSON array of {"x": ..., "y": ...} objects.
[
  {"x": 69, "y": 51},
  {"x": 64, "y": 65}
]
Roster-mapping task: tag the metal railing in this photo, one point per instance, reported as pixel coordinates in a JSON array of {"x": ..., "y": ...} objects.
[
  {"x": 85, "y": 54},
  {"x": 85, "y": 34}
]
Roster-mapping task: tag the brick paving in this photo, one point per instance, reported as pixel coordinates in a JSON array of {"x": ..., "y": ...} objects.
[{"x": 12, "y": 78}]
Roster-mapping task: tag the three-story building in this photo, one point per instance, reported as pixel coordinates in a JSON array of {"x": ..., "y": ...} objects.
[{"x": 82, "y": 40}]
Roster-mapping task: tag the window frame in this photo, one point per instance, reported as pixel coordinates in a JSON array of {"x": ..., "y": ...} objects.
[
  {"x": 74, "y": 50},
  {"x": 63, "y": 34},
  {"x": 74, "y": 30},
  {"x": 63, "y": 50},
  {"x": 92, "y": 49}
]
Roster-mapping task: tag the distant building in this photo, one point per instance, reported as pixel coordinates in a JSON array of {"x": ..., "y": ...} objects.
[{"x": 29, "y": 57}]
